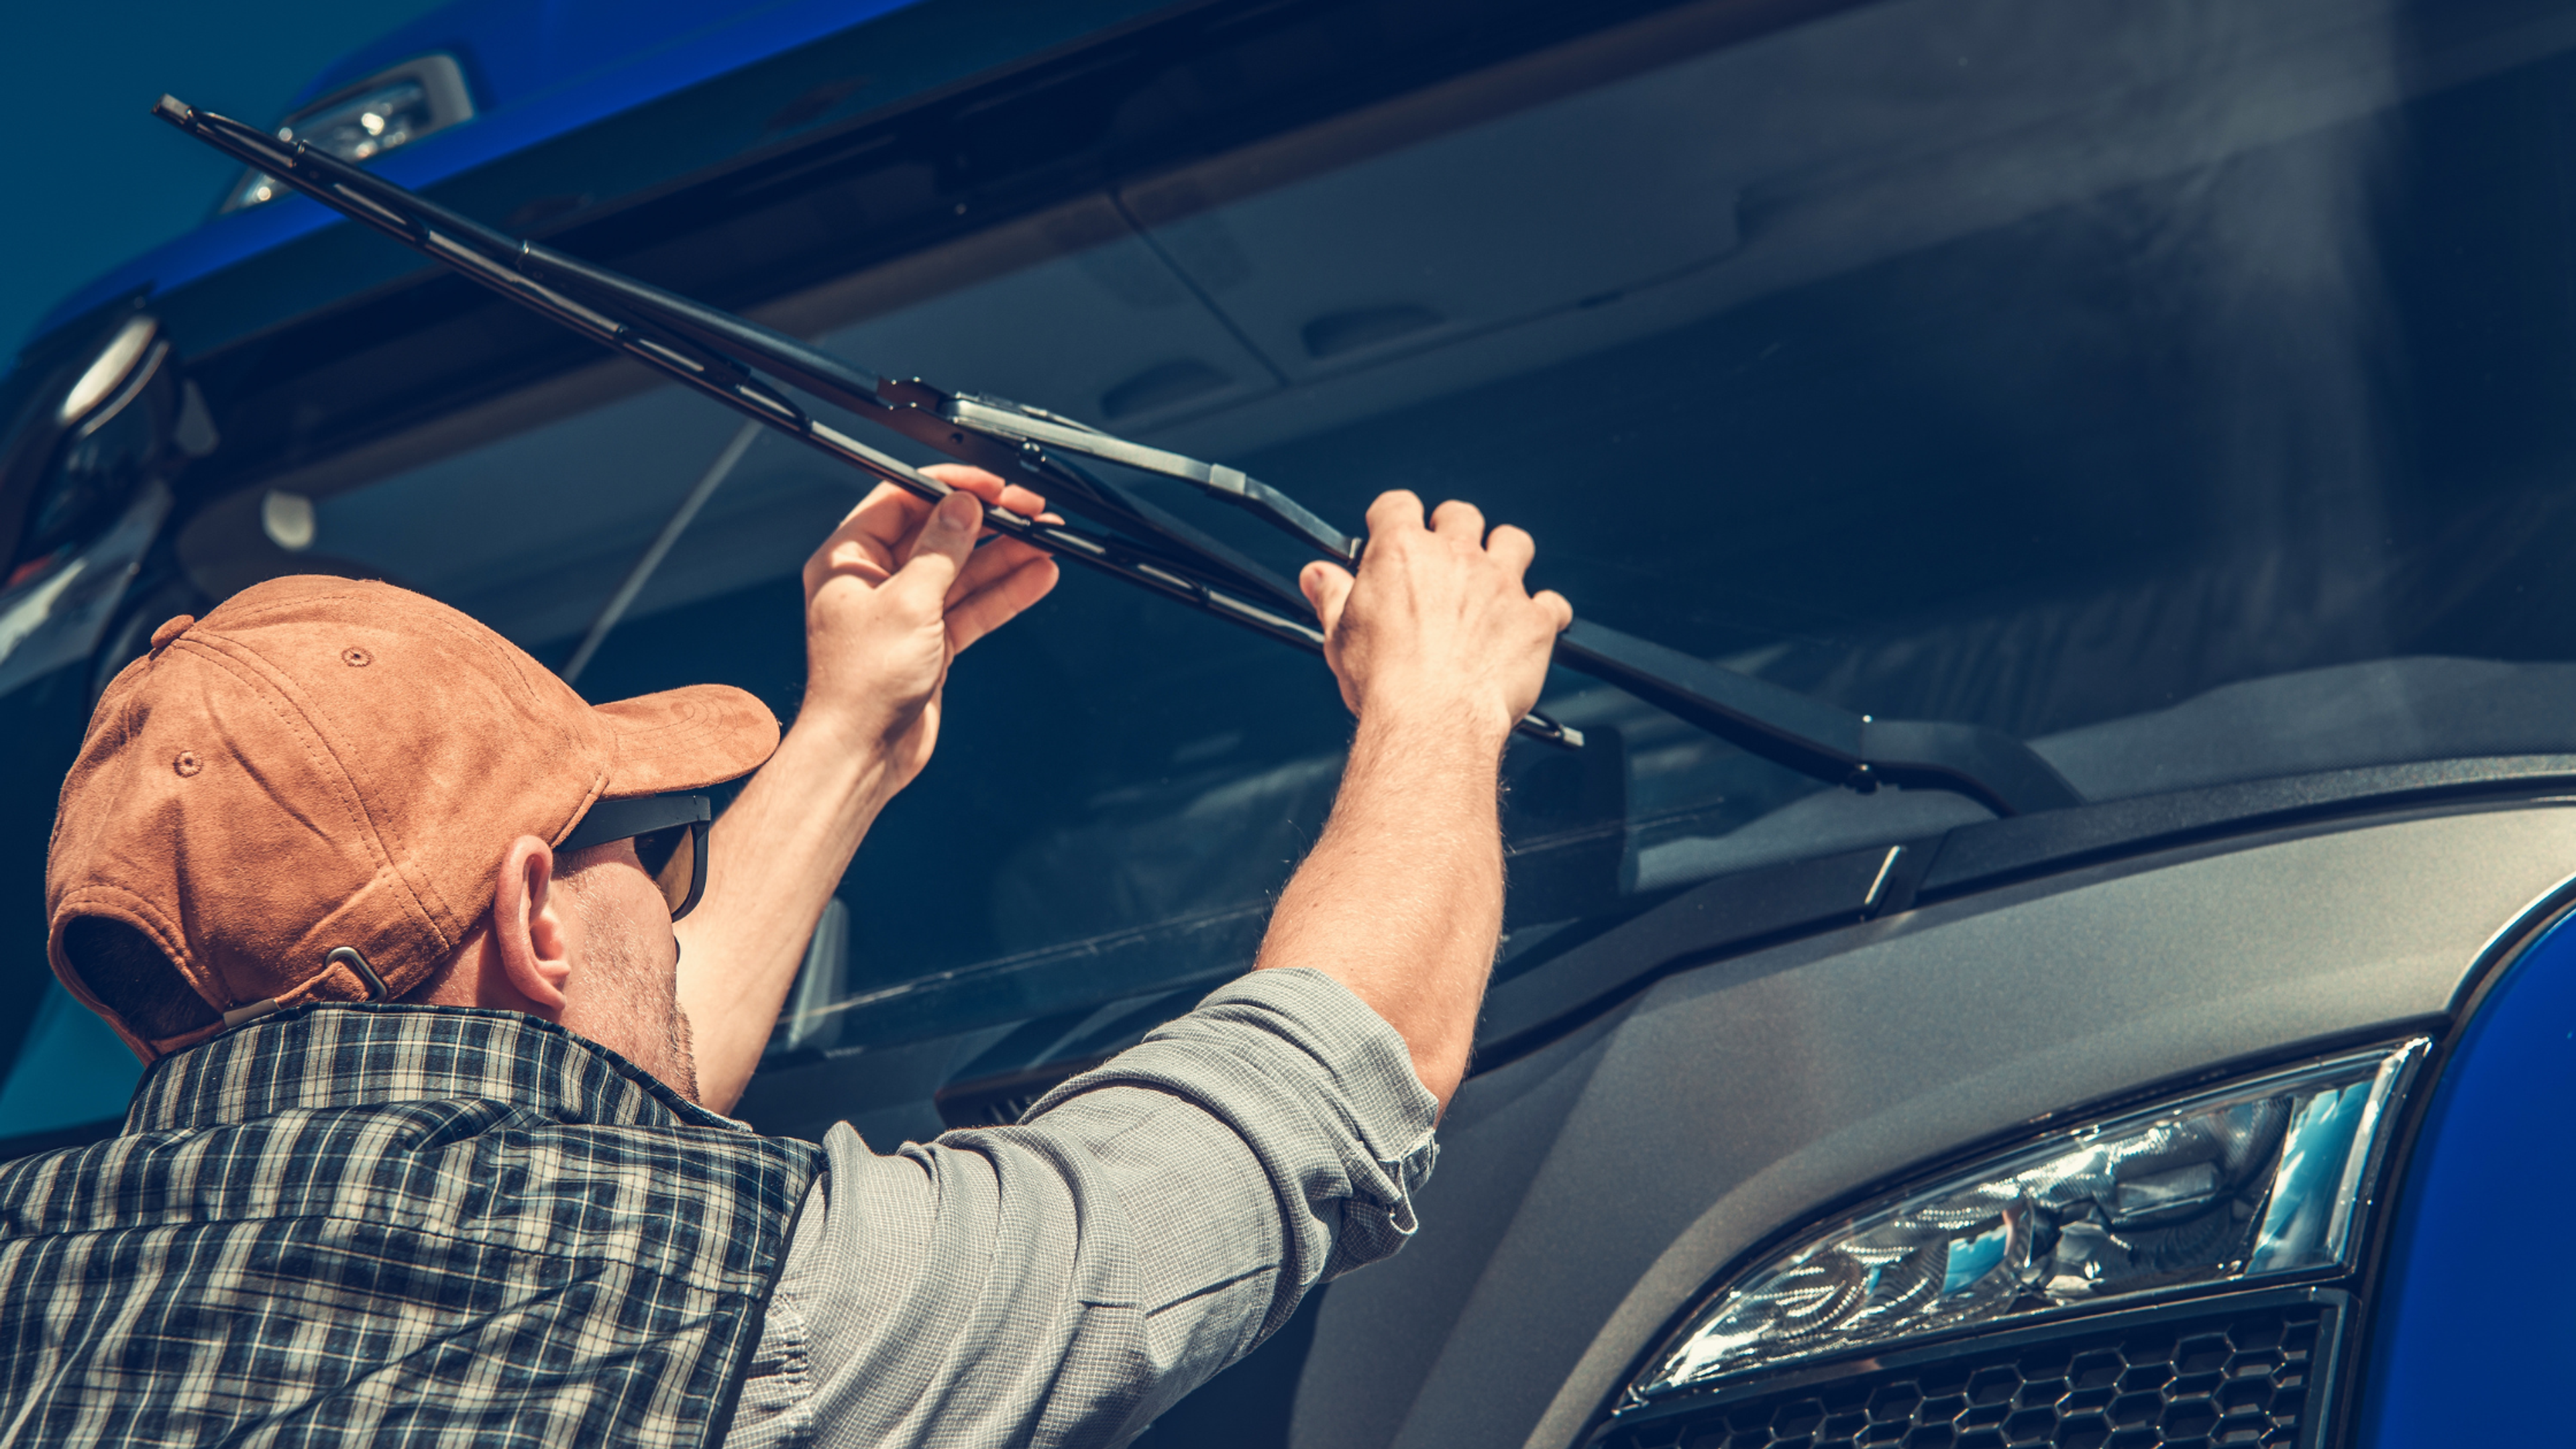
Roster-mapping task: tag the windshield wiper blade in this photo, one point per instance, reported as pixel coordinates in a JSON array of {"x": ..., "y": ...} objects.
[
  {"x": 695, "y": 344},
  {"x": 545, "y": 280},
  {"x": 1203, "y": 574}
]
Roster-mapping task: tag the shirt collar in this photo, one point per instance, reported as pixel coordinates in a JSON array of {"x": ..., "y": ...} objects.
[{"x": 336, "y": 1055}]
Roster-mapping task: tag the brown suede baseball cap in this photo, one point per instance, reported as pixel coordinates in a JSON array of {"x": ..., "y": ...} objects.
[{"x": 320, "y": 764}]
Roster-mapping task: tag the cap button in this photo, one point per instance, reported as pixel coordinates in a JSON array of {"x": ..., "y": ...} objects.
[{"x": 170, "y": 630}]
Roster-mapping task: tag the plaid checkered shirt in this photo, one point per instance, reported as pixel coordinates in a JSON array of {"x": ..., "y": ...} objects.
[
  {"x": 394, "y": 1226},
  {"x": 426, "y": 1226}
]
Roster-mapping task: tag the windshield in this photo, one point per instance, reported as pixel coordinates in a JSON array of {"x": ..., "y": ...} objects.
[{"x": 2182, "y": 388}]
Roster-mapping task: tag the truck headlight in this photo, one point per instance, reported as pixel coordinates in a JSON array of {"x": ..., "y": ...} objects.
[{"x": 2260, "y": 1179}]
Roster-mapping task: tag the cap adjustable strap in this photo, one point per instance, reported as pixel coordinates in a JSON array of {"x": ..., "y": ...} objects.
[{"x": 339, "y": 956}]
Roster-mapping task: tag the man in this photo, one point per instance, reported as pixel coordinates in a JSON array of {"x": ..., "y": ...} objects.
[{"x": 426, "y": 1153}]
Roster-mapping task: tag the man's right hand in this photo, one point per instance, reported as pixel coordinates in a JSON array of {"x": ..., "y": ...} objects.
[
  {"x": 1438, "y": 625},
  {"x": 1440, "y": 650}
]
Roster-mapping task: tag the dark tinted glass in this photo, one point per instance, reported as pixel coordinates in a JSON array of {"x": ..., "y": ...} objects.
[
  {"x": 670, "y": 857},
  {"x": 657, "y": 848},
  {"x": 2182, "y": 387}
]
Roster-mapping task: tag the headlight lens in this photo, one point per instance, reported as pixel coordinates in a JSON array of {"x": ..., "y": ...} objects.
[
  {"x": 2259, "y": 1179},
  {"x": 111, "y": 428}
]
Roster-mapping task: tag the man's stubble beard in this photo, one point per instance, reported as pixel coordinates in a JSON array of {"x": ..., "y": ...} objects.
[{"x": 618, "y": 958}]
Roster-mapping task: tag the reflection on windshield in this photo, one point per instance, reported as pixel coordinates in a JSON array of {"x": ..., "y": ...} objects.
[{"x": 2178, "y": 387}]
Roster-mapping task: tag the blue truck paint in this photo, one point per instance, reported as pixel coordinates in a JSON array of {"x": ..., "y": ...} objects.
[
  {"x": 2471, "y": 1319},
  {"x": 546, "y": 84},
  {"x": 513, "y": 50}
]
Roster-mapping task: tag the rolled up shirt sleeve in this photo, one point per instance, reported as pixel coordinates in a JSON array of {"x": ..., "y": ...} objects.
[{"x": 1064, "y": 1280}]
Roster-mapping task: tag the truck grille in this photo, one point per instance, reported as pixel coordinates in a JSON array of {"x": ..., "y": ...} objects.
[{"x": 2227, "y": 1378}]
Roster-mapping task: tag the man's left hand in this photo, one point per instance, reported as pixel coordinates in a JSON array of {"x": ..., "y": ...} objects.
[{"x": 895, "y": 593}]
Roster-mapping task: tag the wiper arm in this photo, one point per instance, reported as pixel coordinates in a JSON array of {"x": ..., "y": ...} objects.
[
  {"x": 1820, "y": 740},
  {"x": 1000, "y": 418},
  {"x": 695, "y": 344},
  {"x": 1817, "y": 739}
]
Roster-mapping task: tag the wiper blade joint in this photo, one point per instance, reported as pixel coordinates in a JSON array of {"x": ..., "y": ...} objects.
[{"x": 1002, "y": 418}]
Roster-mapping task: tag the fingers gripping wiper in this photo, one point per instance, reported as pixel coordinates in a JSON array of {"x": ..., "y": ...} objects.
[{"x": 699, "y": 346}]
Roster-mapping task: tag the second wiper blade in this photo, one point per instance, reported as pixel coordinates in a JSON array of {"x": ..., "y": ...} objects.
[{"x": 689, "y": 352}]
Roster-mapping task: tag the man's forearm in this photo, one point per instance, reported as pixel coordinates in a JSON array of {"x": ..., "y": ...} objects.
[
  {"x": 776, "y": 855},
  {"x": 891, "y": 597},
  {"x": 1402, "y": 898}
]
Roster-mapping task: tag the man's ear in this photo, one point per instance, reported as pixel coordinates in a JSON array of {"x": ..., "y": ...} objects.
[{"x": 530, "y": 930}]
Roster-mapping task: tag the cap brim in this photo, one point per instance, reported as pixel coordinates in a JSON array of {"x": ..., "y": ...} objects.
[{"x": 686, "y": 739}]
